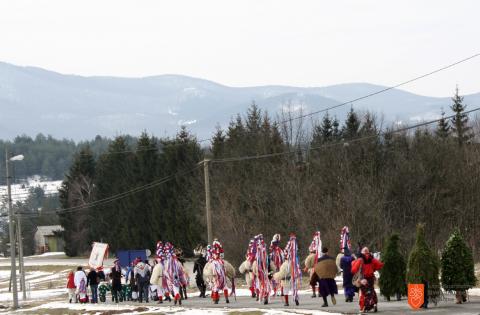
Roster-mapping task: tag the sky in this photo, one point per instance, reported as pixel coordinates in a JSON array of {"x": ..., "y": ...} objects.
[{"x": 250, "y": 42}]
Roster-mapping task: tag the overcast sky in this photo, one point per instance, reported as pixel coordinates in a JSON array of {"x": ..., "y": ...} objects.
[{"x": 250, "y": 42}]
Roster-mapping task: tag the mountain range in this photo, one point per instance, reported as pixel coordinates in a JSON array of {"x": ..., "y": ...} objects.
[{"x": 34, "y": 100}]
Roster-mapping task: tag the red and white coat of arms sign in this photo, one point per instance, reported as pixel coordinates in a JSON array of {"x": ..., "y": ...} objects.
[{"x": 415, "y": 295}]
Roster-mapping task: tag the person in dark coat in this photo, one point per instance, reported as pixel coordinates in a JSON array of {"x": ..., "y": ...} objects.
[
  {"x": 346, "y": 266},
  {"x": 92, "y": 281},
  {"x": 116, "y": 276},
  {"x": 198, "y": 269},
  {"x": 326, "y": 270}
]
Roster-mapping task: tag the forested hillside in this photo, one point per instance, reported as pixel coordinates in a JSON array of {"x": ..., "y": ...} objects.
[{"x": 272, "y": 176}]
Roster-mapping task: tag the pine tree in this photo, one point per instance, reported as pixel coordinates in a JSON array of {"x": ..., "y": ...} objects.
[
  {"x": 393, "y": 273},
  {"x": 77, "y": 189},
  {"x": 423, "y": 264},
  {"x": 352, "y": 125},
  {"x": 218, "y": 143},
  {"x": 458, "y": 270},
  {"x": 443, "y": 128},
  {"x": 460, "y": 126},
  {"x": 327, "y": 128}
]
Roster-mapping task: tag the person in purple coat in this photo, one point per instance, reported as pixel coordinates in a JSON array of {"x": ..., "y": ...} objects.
[{"x": 346, "y": 266}]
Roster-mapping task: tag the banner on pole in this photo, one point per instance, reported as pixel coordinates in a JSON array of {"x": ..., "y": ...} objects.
[{"x": 98, "y": 254}]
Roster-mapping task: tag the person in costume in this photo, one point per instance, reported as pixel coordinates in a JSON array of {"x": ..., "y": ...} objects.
[
  {"x": 198, "y": 266},
  {"x": 290, "y": 273},
  {"x": 220, "y": 282},
  {"x": 276, "y": 257},
  {"x": 174, "y": 273},
  {"x": 261, "y": 269},
  {"x": 326, "y": 270},
  {"x": 246, "y": 268},
  {"x": 315, "y": 250},
  {"x": 156, "y": 279},
  {"x": 345, "y": 264},
  {"x": 367, "y": 265}
]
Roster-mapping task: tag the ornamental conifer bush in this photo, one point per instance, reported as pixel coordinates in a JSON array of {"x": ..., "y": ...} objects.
[
  {"x": 393, "y": 273},
  {"x": 423, "y": 264},
  {"x": 458, "y": 270}
]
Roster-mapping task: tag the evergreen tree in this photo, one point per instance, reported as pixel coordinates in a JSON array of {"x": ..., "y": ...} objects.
[
  {"x": 352, "y": 125},
  {"x": 218, "y": 143},
  {"x": 458, "y": 270},
  {"x": 77, "y": 190},
  {"x": 327, "y": 128},
  {"x": 423, "y": 264},
  {"x": 393, "y": 273},
  {"x": 443, "y": 128},
  {"x": 115, "y": 221},
  {"x": 460, "y": 121},
  {"x": 336, "y": 132},
  {"x": 145, "y": 171}
]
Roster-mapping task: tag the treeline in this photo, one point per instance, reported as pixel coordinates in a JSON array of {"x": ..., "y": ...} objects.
[
  {"x": 355, "y": 172},
  {"x": 47, "y": 156},
  {"x": 134, "y": 219}
]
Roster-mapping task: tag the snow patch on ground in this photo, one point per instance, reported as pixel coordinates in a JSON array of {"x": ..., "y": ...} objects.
[
  {"x": 143, "y": 309},
  {"x": 49, "y": 254},
  {"x": 35, "y": 294}
]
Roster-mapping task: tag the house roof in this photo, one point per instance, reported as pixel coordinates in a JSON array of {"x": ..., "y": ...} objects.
[{"x": 48, "y": 229}]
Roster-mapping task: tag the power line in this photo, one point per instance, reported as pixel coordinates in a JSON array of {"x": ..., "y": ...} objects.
[
  {"x": 331, "y": 107},
  {"x": 384, "y": 89},
  {"x": 400, "y": 130},
  {"x": 113, "y": 197}
]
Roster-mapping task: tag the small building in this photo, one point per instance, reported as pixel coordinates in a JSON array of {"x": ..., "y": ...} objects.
[{"x": 48, "y": 238}]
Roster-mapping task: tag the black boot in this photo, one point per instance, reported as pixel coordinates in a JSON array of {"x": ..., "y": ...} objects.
[
  {"x": 185, "y": 292},
  {"x": 325, "y": 303}
]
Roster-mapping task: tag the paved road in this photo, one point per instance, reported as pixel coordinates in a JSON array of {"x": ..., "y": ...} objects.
[{"x": 308, "y": 303}]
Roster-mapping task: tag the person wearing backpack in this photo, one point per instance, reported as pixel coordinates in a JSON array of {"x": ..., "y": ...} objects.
[{"x": 367, "y": 265}]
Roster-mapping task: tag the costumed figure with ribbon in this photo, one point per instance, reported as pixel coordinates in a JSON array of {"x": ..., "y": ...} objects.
[
  {"x": 158, "y": 280},
  {"x": 276, "y": 258},
  {"x": 262, "y": 270},
  {"x": 186, "y": 279},
  {"x": 290, "y": 273},
  {"x": 218, "y": 273},
  {"x": 345, "y": 259},
  {"x": 173, "y": 273},
  {"x": 315, "y": 250},
  {"x": 246, "y": 267},
  {"x": 199, "y": 264}
]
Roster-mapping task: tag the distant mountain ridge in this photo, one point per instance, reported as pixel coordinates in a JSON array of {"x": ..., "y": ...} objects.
[{"x": 34, "y": 100}]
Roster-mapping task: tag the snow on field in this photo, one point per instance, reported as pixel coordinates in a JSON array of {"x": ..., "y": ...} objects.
[
  {"x": 143, "y": 309},
  {"x": 48, "y": 254},
  {"x": 36, "y": 294},
  {"x": 20, "y": 191}
]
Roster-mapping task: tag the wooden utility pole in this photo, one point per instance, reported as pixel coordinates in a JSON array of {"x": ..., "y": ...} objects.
[
  {"x": 13, "y": 263},
  {"x": 207, "y": 201}
]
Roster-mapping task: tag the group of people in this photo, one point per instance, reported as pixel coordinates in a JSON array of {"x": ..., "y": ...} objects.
[
  {"x": 269, "y": 271},
  {"x": 273, "y": 271},
  {"x": 79, "y": 282}
]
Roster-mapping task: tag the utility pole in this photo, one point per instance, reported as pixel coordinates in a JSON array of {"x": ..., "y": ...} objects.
[
  {"x": 20, "y": 257},
  {"x": 207, "y": 201},
  {"x": 12, "y": 236}
]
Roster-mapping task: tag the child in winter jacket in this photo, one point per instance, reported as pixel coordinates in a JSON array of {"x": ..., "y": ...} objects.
[{"x": 70, "y": 287}]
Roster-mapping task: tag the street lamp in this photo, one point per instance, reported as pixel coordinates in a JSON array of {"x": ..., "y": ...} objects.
[{"x": 13, "y": 276}]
